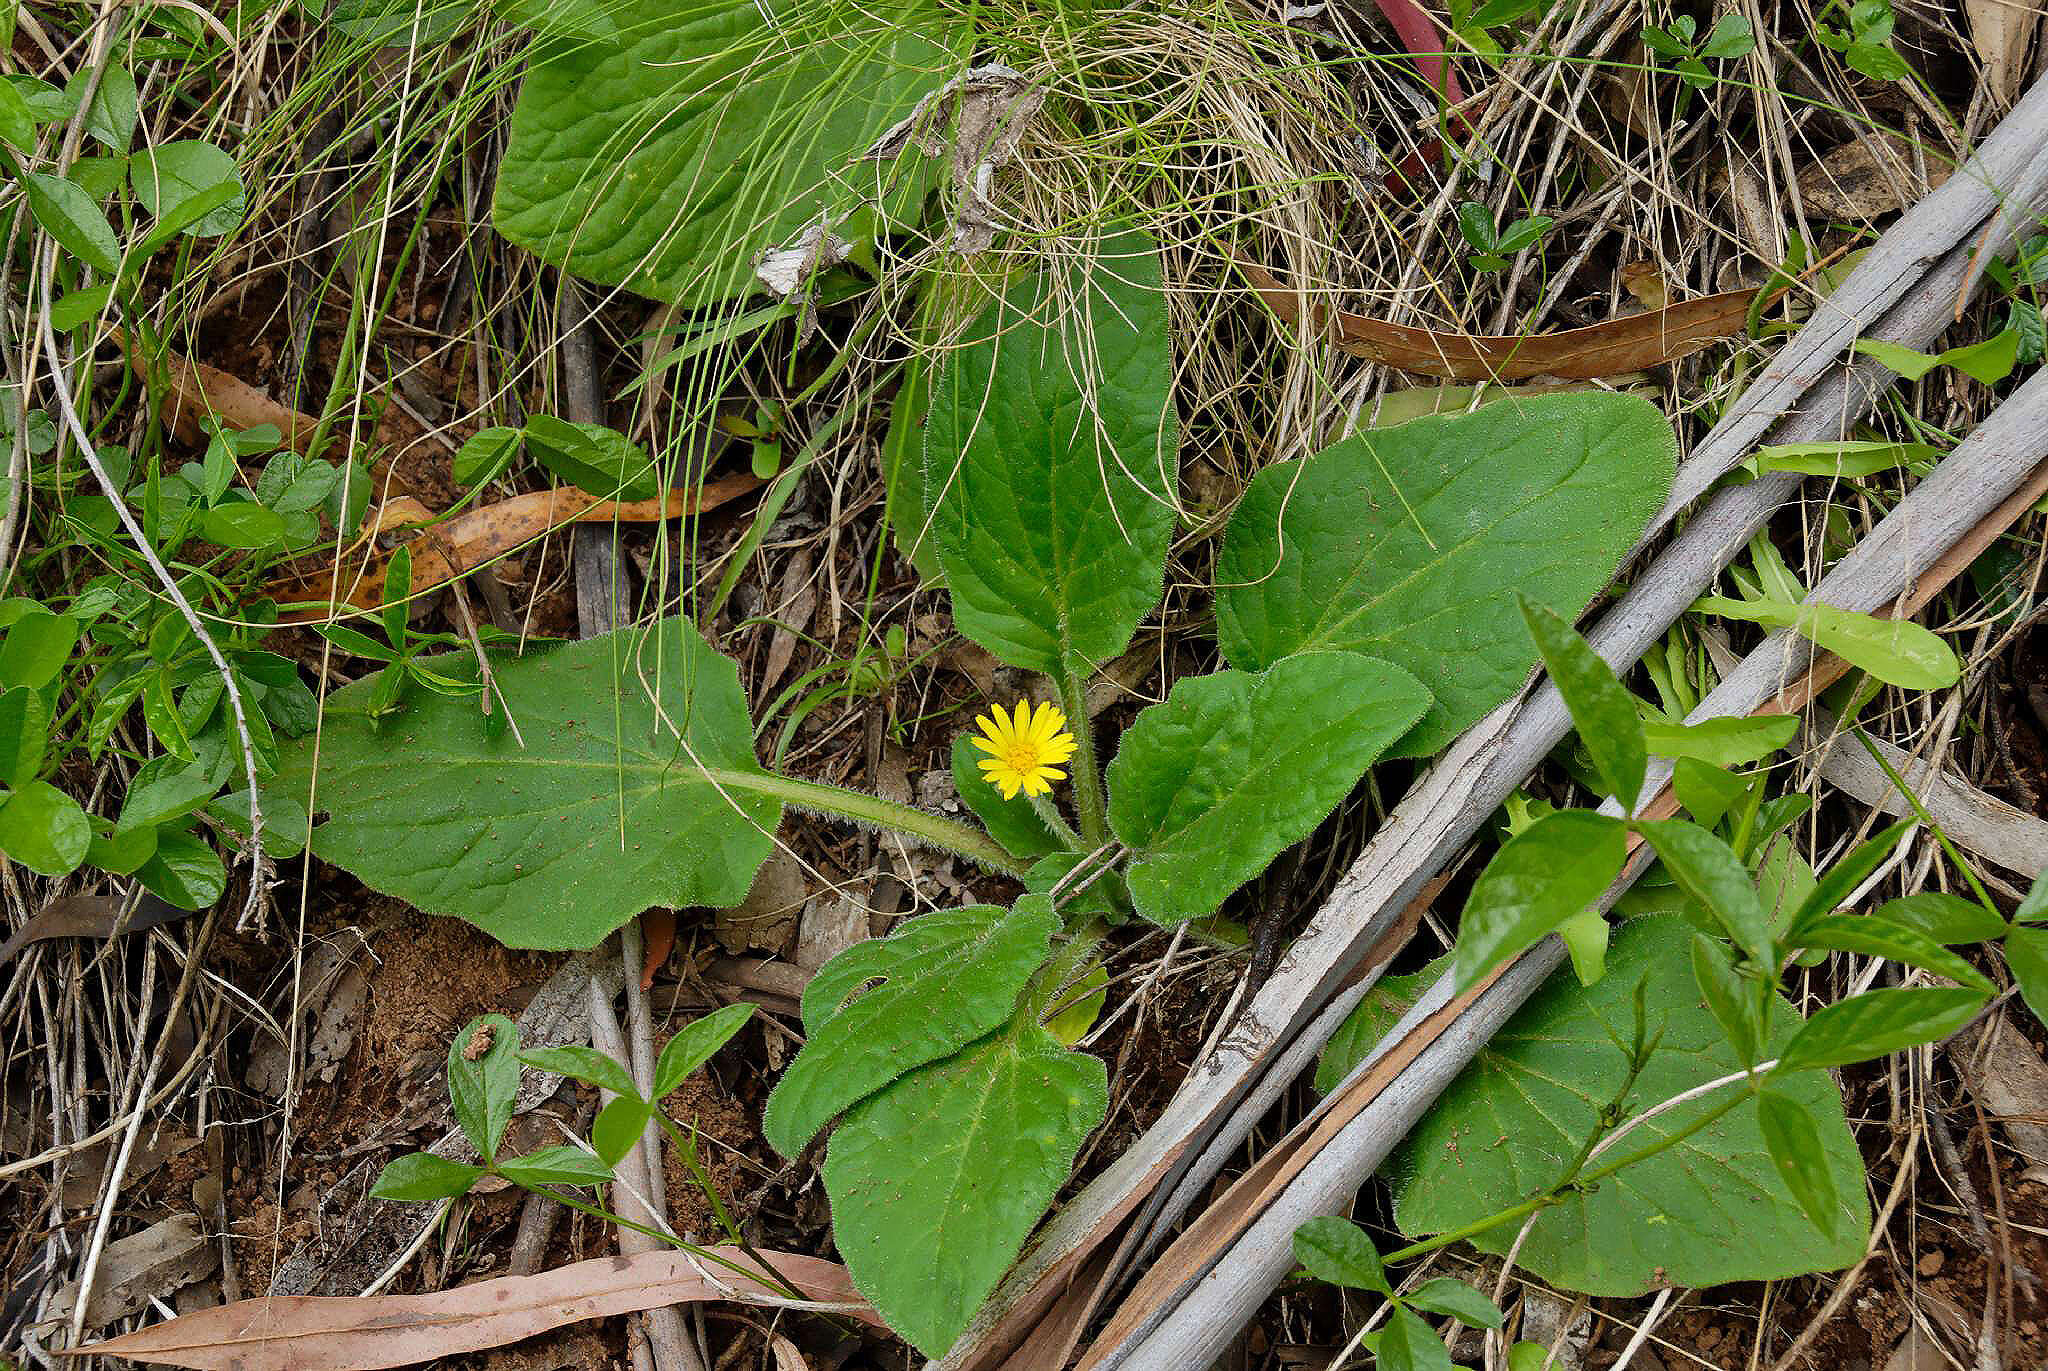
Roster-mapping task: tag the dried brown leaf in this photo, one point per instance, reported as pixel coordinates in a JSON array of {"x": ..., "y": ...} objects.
[
  {"x": 478, "y": 536},
  {"x": 1634, "y": 342},
  {"x": 88, "y": 916},
  {"x": 198, "y": 391},
  {"x": 339, "y": 1333},
  {"x": 1868, "y": 176}
]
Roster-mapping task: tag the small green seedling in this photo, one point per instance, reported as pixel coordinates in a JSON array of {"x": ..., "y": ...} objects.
[{"x": 1492, "y": 247}]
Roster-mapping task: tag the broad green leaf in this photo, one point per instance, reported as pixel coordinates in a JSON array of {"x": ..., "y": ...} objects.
[
  {"x": 483, "y": 1080},
  {"x": 1990, "y": 361},
  {"x": 1878, "y": 1023},
  {"x": 1411, "y": 543},
  {"x": 1907, "y": 362},
  {"x": 36, "y": 647},
  {"x": 1209, "y": 785},
  {"x": 585, "y": 1064},
  {"x": 592, "y": 457},
  {"x": 1846, "y": 874},
  {"x": 17, "y": 124},
  {"x": 418, "y": 1177},
  {"x": 1014, "y": 823},
  {"x": 1339, "y": 1252},
  {"x": 1542, "y": 876},
  {"x": 1897, "y": 651},
  {"x": 484, "y": 455},
  {"x": 1408, "y": 1343},
  {"x": 2026, "y": 955},
  {"x": 67, "y": 213},
  {"x": 694, "y": 1044},
  {"x": 1708, "y": 870},
  {"x": 945, "y": 979},
  {"x": 707, "y": 131},
  {"x": 618, "y": 1126},
  {"x": 966, "y": 1153},
  {"x": 1723, "y": 742},
  {"x": 112, "y": 115},
  {"x": 183, "y": 870},
  {"x": 44, "y": 829},
  {"x": 1794, "y": 1143},
  {"x": 24, "y": 735},
  {"x": 1944, "y": 918},
  {"x": 600, "y": 813},
  {"x": 80, "y": 307},
  {"x": 1603, "y": 713},
  {"x": 121, "y": 854},
  {"x": 1876, "y": 937},
  {"x": 1708, "y": 1210},
  {"x": 242, "y": 524},
  {"x": 1051, "y": 461},
  {"x": 578, "y": 19},
  {"x": 1454, "y": 1298},
  {"x": 557, "y": 1165},
  {"x": 1080, "y": 1004},
  {"x": 167, "y": 177}
]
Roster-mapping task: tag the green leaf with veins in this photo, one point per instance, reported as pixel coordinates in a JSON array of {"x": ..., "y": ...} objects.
[
  {"x": 1546, "y": 874},
  {"x": 1708, "y": 1210},
  {"x": 1411, "y": 543},
  {"x": 668, "y": 158},
  {"x": 1212, "y": 783},
  {"x": 945, "y": 979},
  {"x": 966, "y": 1153},
  {"x": 635, "y": 785},
  {"x": 1051, "y": 461}
]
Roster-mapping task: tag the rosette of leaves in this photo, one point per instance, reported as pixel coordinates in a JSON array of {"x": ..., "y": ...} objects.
[{"x": 1366, "y": 614}]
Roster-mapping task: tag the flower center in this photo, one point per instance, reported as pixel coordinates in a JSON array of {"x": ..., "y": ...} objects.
[{"x": 1021, "y": 756}]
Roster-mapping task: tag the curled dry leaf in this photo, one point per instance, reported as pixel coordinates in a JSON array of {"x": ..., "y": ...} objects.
[
  {"x": 88, "y": 916},
  {"x": 342, "y": 1333},
  {"x": 2000, "y": 31},
  {"x": 197, "y": 390},
  {"x": 1869, "y": 175},
  {"x": 1634, "y": 342},
  {"x": 474, "y": 538},
  {"x": 148, "y": 1265}
]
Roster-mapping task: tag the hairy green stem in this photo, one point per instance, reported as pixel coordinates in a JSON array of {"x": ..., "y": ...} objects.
[
  {"x": 1087, "y": 772},
  {"x": 872, "y": 810}
]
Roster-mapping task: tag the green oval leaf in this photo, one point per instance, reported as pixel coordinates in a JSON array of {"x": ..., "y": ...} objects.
[
  {"x": 1878, "y": 1023},
  {"x": 1051, "y": 461},
  {"x": 594, "y": 458},
  {"x": 556, "y": 840},
  {"x": 183, "y": 870},
  {"x": 1213, "y": 782},
  {"x": 1411, "y": 543},
  {"x": 694, "y": 1044},
  {"x": 67, "y": 213},
  {"x": 1542, "y": 876},
  {"x": 483, "y": 1080},
  {"x": 1793, "y": 1140},
  {"x": 418, "y": 1177},
  {"x": 44, "y": 829},
  {"x": 1339, "y": 1252},
  {"x": 668, "y": 159},
  {"x": 967, "y": 1153},
  {"x": 169, "y": 177},
  {"x": 945, "y": 979}
]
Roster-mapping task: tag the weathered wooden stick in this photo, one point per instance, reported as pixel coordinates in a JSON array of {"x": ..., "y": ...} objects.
[
  {"x": 2002, "y": 456},
  {"x": 1204, "y": 1123}
]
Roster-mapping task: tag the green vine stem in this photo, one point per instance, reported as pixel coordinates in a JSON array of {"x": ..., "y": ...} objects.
[
  {"x": 871, "y": 810},
  {"x": 1087, "y": 772}
]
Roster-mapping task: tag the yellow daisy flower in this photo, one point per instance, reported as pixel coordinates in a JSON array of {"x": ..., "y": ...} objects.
[{"x": 1025, "y": 749}]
